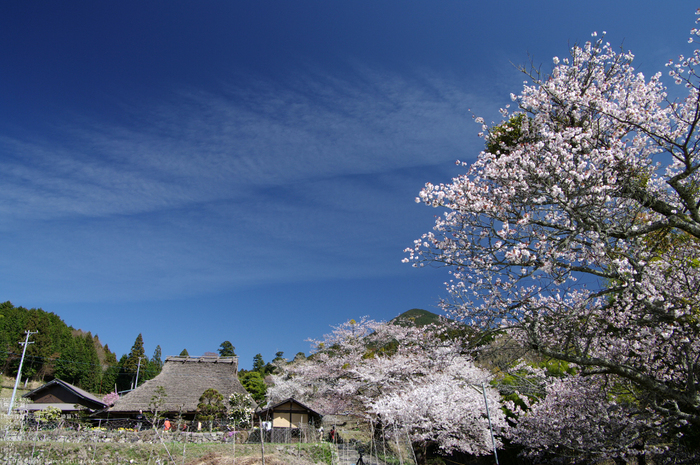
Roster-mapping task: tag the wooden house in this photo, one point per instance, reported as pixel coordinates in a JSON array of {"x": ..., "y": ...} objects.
[
  {"x": 183, "y": 381},
  {"x": 64, "y": 396},
  {"x": 289, "y": 413}
]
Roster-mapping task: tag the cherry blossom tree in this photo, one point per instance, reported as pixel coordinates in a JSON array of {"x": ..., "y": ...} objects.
[
  {"x": 577, "y": 229},
  {"x": 445, "y": 407},
  {"x": 323, "y": 381},
  {"x": 418, "y": 382},
  {"x": 584, "y": 418},
  {"x": 110, "y": 398}
]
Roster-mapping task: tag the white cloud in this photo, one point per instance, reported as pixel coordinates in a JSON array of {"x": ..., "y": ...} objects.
[{"x": 253, "y": 182}]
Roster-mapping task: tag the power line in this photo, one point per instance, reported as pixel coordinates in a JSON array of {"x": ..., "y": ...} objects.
[{"x": 37, "y": 358}]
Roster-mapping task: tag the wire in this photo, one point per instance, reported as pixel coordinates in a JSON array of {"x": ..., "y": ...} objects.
[{"x": 34, "y": 358}]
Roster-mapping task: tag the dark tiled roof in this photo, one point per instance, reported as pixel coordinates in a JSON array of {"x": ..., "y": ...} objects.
[
  {"x": 291, "y": 399},
  {"x": 90, "y": 400}
]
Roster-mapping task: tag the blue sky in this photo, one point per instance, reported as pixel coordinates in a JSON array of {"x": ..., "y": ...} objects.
[{"x": 246, "y": 171}]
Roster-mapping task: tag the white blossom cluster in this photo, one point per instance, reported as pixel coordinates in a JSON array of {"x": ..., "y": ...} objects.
[
  {"x": 408, "y": 381},
  {"x": 577, "y": 231}
]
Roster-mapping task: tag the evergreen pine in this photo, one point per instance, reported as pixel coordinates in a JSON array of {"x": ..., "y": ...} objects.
[
  {"x": 226, "y": 349},
  {"x": 155, "y": 365},
  {"x": 258, "y": 363}
]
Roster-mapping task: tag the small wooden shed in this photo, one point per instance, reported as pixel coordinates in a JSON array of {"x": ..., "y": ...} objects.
[
  {"x": 64, "y": 396},
  {"x": 289, "y": 413}
]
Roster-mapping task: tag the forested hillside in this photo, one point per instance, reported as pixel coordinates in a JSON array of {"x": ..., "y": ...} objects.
[
  {"x": 418, "y": 317},
  {"x": 60, "y": 351}
]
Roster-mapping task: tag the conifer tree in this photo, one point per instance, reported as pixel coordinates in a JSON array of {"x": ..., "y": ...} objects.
[
  {"x": 211, "y": 406},
  {"x": 113, "y": 376},
  {"x": 258, "y": 363},
  {"x": 89, "y": 368},
  {"x": 137, "y": 352},
  {"x": 122, "y": 377},
  {"x": 226, "y": 349},
  {"x": 155, "y": 365}
]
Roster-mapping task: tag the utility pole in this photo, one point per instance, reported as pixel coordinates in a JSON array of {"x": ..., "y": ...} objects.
[
  {"x": 493, "y": 441},
  {"x": 19, "y": 372},
  {"x": 138, "y": 368}
]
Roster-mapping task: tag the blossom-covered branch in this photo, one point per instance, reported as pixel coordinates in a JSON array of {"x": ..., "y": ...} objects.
[{"x": 578, "y": 228}]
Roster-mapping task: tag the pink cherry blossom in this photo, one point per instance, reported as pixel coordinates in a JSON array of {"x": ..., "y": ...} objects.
[
  {"x": 415, "y": 382},
  {"x": 577, "y": 230}
]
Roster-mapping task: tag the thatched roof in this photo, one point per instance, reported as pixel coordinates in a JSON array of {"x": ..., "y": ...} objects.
[{"x": 184, "y": 380}]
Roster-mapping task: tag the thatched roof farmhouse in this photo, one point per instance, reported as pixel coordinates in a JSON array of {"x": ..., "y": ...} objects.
[{"x": 184, "y": 380}]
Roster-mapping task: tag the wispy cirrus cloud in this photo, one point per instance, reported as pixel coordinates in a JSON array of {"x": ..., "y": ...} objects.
[
  {"x": 258, "y": 133},
  {"x": 242, "y": 184}
]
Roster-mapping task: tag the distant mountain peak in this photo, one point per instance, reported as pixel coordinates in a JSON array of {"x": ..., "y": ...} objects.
[{"x": 417, "y": 316}]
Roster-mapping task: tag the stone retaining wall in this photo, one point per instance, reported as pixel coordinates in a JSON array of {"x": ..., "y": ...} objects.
[
  {"x": 276, "y": 435},
  {"x": 149, "y": 436}
]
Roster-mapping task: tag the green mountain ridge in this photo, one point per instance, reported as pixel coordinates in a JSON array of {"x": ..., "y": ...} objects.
[{"x": 419, "y": 317}]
